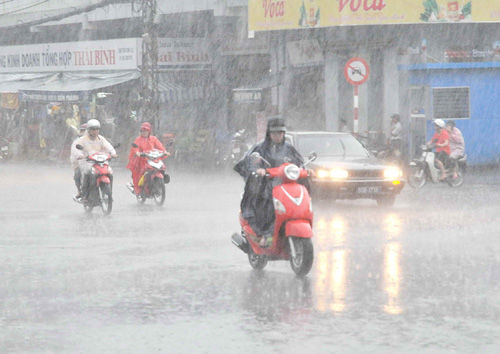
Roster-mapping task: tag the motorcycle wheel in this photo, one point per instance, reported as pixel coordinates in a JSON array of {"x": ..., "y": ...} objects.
[
  {"x": 416, "y": 178},
  {"x": 456, "y": 182},
  {"x": 158, "y": 191},
  {"x": 304, "y": 256},
  {"x": 256, "y": 261},
  {"x": 106, "y": 198}
]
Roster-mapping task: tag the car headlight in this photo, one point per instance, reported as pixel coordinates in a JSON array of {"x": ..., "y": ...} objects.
[
  {"x": 323, "y": 173},
  {"x": 335, "y": 173},
  {"x": 338, "y": 173},
  {"x": 393, "y": 173}
]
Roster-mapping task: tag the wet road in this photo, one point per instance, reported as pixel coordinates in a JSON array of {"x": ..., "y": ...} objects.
[{"x": 421, "y": 277}]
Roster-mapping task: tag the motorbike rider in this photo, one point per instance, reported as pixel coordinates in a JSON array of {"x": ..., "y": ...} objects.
[
  {"x": 440, "y": 139},
  {"x": 457, "y": 145},
  {"x": 92, "y": 142},
  {"x": 257, "y": 203},
  {"x": 77, "y": 176},
  {"x": 137, "y": 165}
]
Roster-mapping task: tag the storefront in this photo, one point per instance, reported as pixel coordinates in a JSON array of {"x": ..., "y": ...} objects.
[
  {"x": 464, "y": 92},
  {"x": 60, "y": 85}
]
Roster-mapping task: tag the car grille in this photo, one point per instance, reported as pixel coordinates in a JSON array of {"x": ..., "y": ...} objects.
[{"x": 366, "y": 174}]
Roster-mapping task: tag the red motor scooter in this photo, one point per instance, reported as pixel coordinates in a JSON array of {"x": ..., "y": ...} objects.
[
  {"x": 100, "y": 189},
  {"x": 293, "y": 224},
  {"x": 153, "y": 181}
]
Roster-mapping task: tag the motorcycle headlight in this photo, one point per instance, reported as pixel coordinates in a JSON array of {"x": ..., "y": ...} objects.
[
  {"x": 292, "y": 172},
  {"x": 279, "y": 207},
  {"x": 393, "y": 173}
]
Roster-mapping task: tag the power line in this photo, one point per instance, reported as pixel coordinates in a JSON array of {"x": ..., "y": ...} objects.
[
  {"x": 81, "y": 10},
  {"x": 25, "y": 8}
]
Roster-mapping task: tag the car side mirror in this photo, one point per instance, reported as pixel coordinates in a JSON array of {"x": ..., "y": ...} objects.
[{"x": 79, "y": 147}]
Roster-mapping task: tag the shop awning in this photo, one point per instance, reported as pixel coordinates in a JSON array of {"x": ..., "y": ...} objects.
[
  {"x": 174, "y": 88},
  {"x": 13, "y": 83},
  {"x": 86, "y": 81},
  {"x": 74, "y": 86},
  {"x": 265, "y": 82}
]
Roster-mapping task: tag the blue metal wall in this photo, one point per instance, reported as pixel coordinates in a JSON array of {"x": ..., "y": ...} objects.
[{"x": 482, "y": 131}]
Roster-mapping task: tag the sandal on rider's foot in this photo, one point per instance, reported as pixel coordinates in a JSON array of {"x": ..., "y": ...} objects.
[
  {"x": 442, "y": 178},
  {"x": 263, "y": 242}
]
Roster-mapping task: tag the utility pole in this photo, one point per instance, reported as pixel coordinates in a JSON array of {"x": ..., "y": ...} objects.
[{"x": 149, "y": 69}]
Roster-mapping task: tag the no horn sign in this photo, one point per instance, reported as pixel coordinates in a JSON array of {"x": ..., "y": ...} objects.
[{"x": 356, "y": 71}]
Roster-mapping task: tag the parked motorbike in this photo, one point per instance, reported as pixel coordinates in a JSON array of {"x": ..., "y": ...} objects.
[
  {"x": 101, "y": 185},
  {"x": 424, "y": 169},
  {"x": 291, "y": 239},
  {"x": 152, "y": 183},
  {"x": 4, "y": 149}
]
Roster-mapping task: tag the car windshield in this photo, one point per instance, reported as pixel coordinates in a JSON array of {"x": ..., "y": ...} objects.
[{"x": 330, "y": 145}]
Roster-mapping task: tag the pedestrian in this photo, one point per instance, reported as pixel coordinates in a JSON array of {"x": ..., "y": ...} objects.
[
  {"x": 395, "y": 140},
  {"x": 343, "y": 128}
]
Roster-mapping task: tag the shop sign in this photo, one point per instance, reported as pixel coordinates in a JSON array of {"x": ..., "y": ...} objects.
[
  {"x": 266, "y": 15},
  {"x": 233, "y": 45},
  {"x": 306, "y": 52},
  {"x": 474, "y": 54},
  {"x": 247, "y": 95},
  {"x": 182, "y": 52},
  {"x": 116, "y": 54},
  {"x": 46, "y": 96}
]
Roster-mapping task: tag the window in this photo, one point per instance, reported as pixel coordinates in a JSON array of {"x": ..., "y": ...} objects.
[{"x": 451, "y": 102}]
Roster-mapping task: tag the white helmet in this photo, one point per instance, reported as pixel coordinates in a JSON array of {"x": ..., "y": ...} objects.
[
  {"x": 94, "y": 123},
  {"x": 439, "y": 123}
]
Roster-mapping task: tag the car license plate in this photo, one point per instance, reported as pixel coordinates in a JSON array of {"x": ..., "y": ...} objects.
[
  {"x": 5, "y": 148},
  {"x": 369, "y": 190}
]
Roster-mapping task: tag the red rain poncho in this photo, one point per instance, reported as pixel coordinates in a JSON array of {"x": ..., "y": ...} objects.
[{"x": 136, "y": 164}]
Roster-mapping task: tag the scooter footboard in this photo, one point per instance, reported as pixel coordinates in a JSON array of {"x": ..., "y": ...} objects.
[{"x": 298, "y": 228}]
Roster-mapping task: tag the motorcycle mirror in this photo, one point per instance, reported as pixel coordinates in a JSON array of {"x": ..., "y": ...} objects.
[
  {"x": 134, "y": 145},
  {"x": 79, "y": 147},
  {"x": 117, "y": 145},
  {"x": 313, "y": 156}
]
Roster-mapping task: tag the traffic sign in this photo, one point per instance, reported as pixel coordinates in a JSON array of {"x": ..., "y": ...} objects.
[{"x": 356, "y": 71}]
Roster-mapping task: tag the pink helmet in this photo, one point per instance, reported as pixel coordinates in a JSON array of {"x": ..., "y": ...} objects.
[{"x": 146, "y": 126}]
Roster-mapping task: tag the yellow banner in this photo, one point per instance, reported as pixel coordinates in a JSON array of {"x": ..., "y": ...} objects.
[{"x": 264, "y": 15}]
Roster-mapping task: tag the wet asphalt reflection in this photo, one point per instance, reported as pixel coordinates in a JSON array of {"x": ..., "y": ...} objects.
[{"x": 421, "y": 276}]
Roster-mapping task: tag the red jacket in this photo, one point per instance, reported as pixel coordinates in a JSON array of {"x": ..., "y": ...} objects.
[{"x": 144, "y": 144}]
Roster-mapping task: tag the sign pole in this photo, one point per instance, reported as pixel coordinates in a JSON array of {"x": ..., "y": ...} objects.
[
  {"x": 356, "y": 72},
  {"x": 356, "y": 114}
]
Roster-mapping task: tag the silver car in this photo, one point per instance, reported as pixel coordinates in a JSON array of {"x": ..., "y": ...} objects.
[{"x": 345, "y": 169}]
